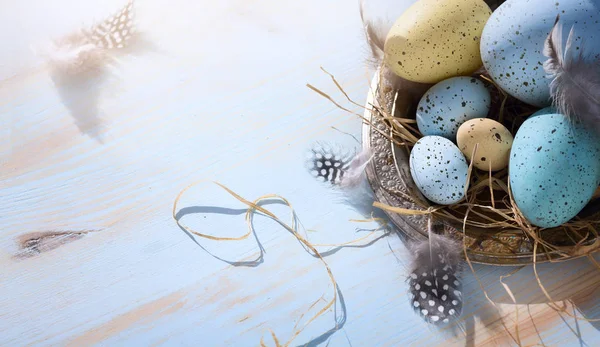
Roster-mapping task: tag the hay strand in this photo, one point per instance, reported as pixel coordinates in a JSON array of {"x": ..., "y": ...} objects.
[{"x": 253, "y": 206}]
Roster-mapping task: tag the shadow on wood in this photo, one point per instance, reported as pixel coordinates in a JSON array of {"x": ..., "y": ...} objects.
[
  {"x": 340, "y": 312},
  {"x": 558, "y": 280},
  {"x": 571, "y": 301},
  {"x": 81, "y": 92},
  {"x": 227, "y": 211}
]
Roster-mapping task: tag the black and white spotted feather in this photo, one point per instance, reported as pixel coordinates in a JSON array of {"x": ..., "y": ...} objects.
[
  {"x": 115, "y": 31},
  {"x": 435, "y": 290},
  {"x": 338, "y": 166},
  {"x": 89, "y": 48},
  {"x": 575, "y": 86}
]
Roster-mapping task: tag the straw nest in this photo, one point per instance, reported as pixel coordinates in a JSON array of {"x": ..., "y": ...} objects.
[{"x": 487, "y": 220}]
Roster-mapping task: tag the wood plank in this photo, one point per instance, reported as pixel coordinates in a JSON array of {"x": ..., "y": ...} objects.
[{"x": 220, "y": 95}]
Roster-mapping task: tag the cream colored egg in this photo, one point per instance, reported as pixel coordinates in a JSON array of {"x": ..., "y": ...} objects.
[
  {"x": 493, "y": 141},
  {"x": 437, "y": 39}
]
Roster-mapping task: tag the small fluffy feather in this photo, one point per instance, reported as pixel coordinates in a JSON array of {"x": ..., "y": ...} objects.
[
  {"x": 356, "y": 169},
  {"x": 375, "y": 34},
  {"x": 434, "y": 288},
  {"x": 575, "y": 88},
  {"x": 90, "y": 48},
  {"x": 356, "y": 192},
  {"x": 376, "y": 31},
  {"x": 333, "y": 164}
]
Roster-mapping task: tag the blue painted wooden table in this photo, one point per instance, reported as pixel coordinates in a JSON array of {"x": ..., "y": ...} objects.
[{"x": 89, "y": 251}]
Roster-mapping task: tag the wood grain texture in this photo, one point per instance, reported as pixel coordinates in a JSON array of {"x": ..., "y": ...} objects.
[{"x": 219, "y": 94}]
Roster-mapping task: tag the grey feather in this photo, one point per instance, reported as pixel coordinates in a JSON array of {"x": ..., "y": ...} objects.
[
  {"x": 344, "y": 172},
  {"x": 435, "y": 290},
  {"x": 356, "y": 169},
  {"x": 376, "y": 28},
  {"x": 575, "y": 86},
  {"x": 375, "y": 33}
]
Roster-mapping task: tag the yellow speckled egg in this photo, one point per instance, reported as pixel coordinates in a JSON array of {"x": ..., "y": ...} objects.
[
  {"x": 493, "y": 139},
  {"x": 437, "y": 39}
]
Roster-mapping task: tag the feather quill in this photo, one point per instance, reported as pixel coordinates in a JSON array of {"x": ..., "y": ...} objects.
[
  {"x": 435, "y": 290},
  {"x": 575, "y": 86}
]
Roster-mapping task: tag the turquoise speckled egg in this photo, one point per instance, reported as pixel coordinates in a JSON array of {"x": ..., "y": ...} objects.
[
  {"x": 439, "y": 169},
  {"x": 554, "y": 168},
  {"x": 513, "y": 40},
  {"x": 450, "y": 103}
]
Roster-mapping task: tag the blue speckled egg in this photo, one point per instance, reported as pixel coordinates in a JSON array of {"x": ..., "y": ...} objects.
[
  {"x": 450, "y": 103},
  {"x": 513, "y": 40},
  {"x": 554, "y": 168},
  {"x": 439, "y": 169}
]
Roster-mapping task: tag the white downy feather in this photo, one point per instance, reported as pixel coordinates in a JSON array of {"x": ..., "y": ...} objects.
[{"x": 355, "y": 171}]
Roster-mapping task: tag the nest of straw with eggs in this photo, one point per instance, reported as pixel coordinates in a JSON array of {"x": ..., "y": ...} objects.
[{"x": 415, "y": 96}]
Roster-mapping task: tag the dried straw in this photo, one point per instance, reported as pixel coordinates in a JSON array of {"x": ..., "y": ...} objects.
[{"x": 253, "y": 207}]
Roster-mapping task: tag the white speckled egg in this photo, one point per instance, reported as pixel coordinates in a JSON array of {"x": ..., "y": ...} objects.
[
  {"x": 448, "y": 104},
  {"x": 513, "y": 40},
  {"x": 493, "y": 142},
  {"x": 439, "y": 169},
  {"x": 434, "y": 40},
  {"x": 554, "y": 168}
]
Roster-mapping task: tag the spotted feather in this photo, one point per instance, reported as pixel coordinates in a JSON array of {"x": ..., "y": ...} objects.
[
  {"x": 435, "y": 290},
  {"x": 92, "y": 48},
  {"x": 338, "y": 166},
  {"x": 115, "y": 31}
]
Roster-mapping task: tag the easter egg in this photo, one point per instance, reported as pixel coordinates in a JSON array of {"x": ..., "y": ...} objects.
[
  {"x": 493, "y": 142},
  {"x": 448, "y": 104},
  {"x": 513, "y": 39},
  {"x": 554, "y": 168},
  {"x": 434, "y": 40},
  {"x": 438, "y": 169}
]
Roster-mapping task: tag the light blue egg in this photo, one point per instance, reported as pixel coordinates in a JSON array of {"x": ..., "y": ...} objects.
[
  {"x": 439, "y": 169},
  {"x": 513, "y": 39},
  {"x": 450, "y": 103},
  {"x": 554, "y": 168}
]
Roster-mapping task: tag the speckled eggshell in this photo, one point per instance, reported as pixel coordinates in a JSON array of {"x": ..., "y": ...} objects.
[
  {"x": 493, "y": 142},
  {"x": 437, "y": 39},
  {"x": 554, "y": 168},
  {"x": 513, "y": 40},
  {"x": 449, "y": 103},
  {"x": 438, "y": 169}
]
